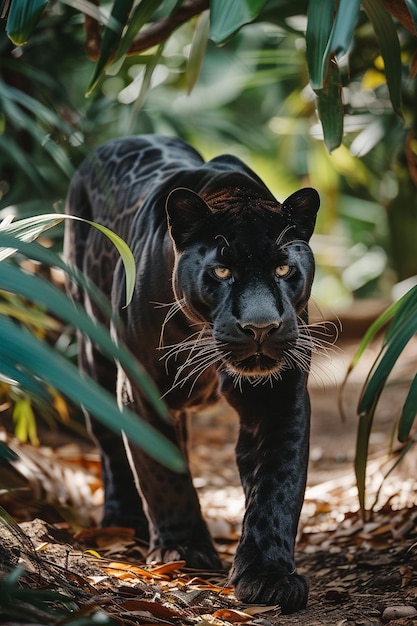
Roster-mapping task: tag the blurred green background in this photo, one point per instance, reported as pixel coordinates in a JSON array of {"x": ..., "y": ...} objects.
[{"x": 253, "y": 99}]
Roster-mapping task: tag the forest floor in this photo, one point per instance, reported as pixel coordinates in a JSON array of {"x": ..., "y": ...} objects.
[{"x": 360, "y": 573}]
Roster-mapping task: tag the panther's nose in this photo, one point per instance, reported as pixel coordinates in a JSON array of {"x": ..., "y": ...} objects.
[{"x": 259, "y": 332}]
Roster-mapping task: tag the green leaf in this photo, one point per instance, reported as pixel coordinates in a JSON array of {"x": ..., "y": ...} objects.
[
  {"x": 228, "y": 16},
  {"x": 111, "y": 38},
  {"x": 361, "y": 455},
  {"x": 344, "y": 25},
  {"x": 386, "y": 362},
  {"x": 30, "y": 228},
  {"x": 25, "y": 421},
  {"x": 138, "y": 18},
  {"x": 6, "y": 453},
  {"x": 407, "y": 304},
  {"x": 20, "y": 348},
  {"x": 146, "y": 83},
  {"x": 330, "y": 108},
  {"x": 379, "y": 323},
  {"x": 320, "y": 16},
  {"x": 140, "y": 15},
  {"x": 389, "y": 45},
  {"x": 35, "y": 288},
  {"x": 400, "y": 457},
  {"x": 13, "y": 376},
  {"x": 22, "y": 19},
  {"x": 409, "y": 412},
  {"x": 198, "y": 50}
]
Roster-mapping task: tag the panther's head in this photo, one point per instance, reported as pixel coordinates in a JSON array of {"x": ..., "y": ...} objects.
[{"x": 244, "y": 269}]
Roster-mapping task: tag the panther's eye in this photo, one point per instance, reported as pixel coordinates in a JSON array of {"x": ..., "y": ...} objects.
[
  {"x": 224, "y": 273},
  {"x": 282, "y": 270}
]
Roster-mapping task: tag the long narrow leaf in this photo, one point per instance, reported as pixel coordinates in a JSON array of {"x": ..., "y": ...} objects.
[
  {"x": 17, "y": 346},
  {"x": 386, "y": 363},
  {"x": 228, "y": 16},
  {"x": 361, "y": 456},
  {"x": 140, "y": 15},
  {"x": 389, "y": 45},
  {"x": 379, "y": 323},
  {"x": 22, "y": 19},
  {"x": 13, "y": 279},
  {"x": 22, "y": 162},
  {"x": 6, "y": 453},
  {"x": 409, "y": 412},
  {"x": 407, "y": 305},
  {"x": 48, "y": 257},
  {"x": 344, "y": 25},
  {"x": 30, "y": 228},
  {"x": 320, "y": 16},
  {"x": 397, "y": 461},
  {"x": 14, "y": 376},
  {"x": 198, "y": 50},
  {"x": 111, "y": 38},
  {"x": 330, "y": 108}
]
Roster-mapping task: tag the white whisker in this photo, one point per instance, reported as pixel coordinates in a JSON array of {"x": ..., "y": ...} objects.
[{"x": 174, "y": 308}]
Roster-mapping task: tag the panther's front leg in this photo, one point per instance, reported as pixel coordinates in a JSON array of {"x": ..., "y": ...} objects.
[
  {"x": 177, "y": 529},
  {"x": 272, "y": 455}
]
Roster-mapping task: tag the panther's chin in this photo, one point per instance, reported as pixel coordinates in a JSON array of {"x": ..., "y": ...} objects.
[{"x": 257, "y": 365}]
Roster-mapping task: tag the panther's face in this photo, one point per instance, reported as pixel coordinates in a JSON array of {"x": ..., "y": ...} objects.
[{"x": 245, "y": 271}]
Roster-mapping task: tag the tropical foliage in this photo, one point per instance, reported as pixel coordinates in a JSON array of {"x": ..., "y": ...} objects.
[
  {"x": 28, "y": 362},
  {"x": 259, "y": 72},
  {"x": 329, "y": 35},
  {"x": 401, "y": 318}
]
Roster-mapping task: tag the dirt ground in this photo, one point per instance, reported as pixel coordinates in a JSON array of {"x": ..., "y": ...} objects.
[{"x": 360, "y": 574}]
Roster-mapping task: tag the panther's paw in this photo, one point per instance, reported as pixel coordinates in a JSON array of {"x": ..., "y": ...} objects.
[
  {"x": 200, "y": 556},
  {"x": 290, "y": 592}
]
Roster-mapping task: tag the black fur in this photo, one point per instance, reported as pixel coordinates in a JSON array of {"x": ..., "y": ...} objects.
[{"x": 211, "y": 237}]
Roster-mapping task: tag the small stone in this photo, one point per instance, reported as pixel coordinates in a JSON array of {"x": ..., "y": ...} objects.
[{"x": 396, "y": 612}]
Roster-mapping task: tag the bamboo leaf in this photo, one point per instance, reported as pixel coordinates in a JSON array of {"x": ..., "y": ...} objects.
[
  {"x": 22, "y": 19},
  {"x": 389, "y": 45},
  {"x": 228, "y": 16},
  {"x": 20, "y": 348},
  {"x": 198, "y": 50},
  {"x": 330, "y": 108},
  {"x": 409, "y": 412},
  {"x": 320, "y": 17}
]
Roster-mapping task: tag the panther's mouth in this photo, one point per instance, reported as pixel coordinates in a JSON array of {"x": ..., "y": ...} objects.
[{"x": 257, "y": 365}]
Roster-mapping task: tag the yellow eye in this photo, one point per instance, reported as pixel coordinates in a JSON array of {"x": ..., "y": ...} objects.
[
  {"x": 222, "y": 272},
  {"x": 282, "y": 270}
]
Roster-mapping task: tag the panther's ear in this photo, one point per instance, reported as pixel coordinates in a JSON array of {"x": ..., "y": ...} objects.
[
  {"x": 301, "y": 209},
  {"x": 186, "y": 211}
]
